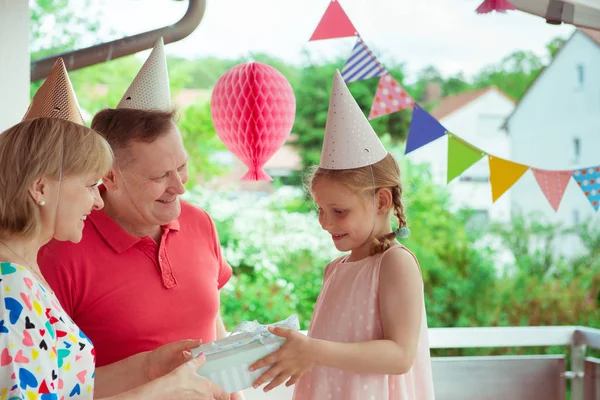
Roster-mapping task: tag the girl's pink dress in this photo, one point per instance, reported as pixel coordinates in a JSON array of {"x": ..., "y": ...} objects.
[{"x": 347, "y": 310}]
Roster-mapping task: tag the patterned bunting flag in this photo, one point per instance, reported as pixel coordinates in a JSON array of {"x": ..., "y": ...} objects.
[
  {"x": 389, "y": 98},
  {"x": 423, "y": 129},
  {"x": 461, "y": 155},
  {"x": 553, "y": 184},
  {"x": 504, "y": 174},
  {"x": 588, "y": 180},
  {"x": 362, "y": 64},
  {"x": 334, "y": 24}
]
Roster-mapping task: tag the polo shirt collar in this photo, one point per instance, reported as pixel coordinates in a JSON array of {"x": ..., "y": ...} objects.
[{"x": 117, "y": 237}]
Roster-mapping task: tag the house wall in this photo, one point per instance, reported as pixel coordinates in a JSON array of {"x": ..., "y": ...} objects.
[
  {"x": 479, "y": 123},
  {"x": 557, "y": 126},
  {"x": 14, "y": 61}
]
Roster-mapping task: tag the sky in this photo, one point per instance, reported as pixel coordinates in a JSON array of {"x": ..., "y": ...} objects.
[{"x": 447, "y": 34}]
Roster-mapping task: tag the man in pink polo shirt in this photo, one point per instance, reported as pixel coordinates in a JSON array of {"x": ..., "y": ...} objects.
[{"x": 149, "y": 267}]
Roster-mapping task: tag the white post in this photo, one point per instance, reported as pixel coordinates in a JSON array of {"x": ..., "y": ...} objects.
[{"x": 14, "y": 61}]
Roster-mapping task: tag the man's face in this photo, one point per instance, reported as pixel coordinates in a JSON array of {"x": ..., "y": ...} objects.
[{"x": 152, "y": 179}]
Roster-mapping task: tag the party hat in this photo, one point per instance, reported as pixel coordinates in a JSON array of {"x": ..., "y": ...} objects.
[
  {"x": 150, "y": 88},
  {"x": 56, "y": 97},
  {"x": 350, "y": 141}
]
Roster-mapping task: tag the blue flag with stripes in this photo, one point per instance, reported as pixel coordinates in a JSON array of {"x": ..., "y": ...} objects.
[{"x": 362, "y": 64}]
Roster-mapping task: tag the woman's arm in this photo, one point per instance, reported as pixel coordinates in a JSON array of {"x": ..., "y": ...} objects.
[{"x": 142, "y": 368}]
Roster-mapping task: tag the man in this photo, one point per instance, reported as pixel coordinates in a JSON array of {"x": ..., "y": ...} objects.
[{"x": 149, "y": 268}]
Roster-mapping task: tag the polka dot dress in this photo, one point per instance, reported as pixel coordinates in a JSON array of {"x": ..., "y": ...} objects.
[{"x": 347, "y": 311}]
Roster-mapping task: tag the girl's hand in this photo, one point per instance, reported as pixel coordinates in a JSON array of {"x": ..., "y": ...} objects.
[{"x": 289, "y": 362}]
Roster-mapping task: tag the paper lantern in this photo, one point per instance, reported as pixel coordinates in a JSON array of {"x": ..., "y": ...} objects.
[{"x": 253, "y": 107}]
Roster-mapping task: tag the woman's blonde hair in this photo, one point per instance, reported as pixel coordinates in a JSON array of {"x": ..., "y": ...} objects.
[
  {"x": 40, "y": 148},
  {"x": 369, "y": 179}
]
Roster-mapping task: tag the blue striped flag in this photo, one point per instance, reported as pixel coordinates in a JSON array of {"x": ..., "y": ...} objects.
[{"x": 362, "y": 64}]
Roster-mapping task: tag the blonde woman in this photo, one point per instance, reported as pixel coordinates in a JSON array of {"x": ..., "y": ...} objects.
[{"x": 49, "y": 171}]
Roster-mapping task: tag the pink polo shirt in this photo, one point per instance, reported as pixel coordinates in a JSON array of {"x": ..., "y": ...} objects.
[{"x": 130, "y": 294}]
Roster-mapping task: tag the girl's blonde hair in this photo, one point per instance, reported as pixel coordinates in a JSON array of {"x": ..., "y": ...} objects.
[
  {"x": 369, "y": 179},
  {"x": 37, "y": 148}
]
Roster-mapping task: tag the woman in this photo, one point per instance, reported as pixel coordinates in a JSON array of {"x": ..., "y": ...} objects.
[{"x": 49, "y": 170}]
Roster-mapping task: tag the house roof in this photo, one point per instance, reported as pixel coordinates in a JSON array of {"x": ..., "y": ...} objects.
[
  {"x": 450, "y": 104},
  {"x": 590, "y": 33}
]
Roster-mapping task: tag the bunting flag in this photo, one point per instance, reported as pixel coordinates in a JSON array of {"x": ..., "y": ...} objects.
[
  {"x": 553, "y": 184},
  {"x": 504, "y": 174},
  {"x": 461, "y": 155},
  {"x": 423, "y": 129},
  {"x": 361, "y": 64},
  {"x": 389, "y": 98},
  {"x": 334, "y": 24},
  {"x": 588, "y": 180}
]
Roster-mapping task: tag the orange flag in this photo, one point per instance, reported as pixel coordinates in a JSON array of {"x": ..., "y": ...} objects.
[{"x": 504, "y": 174}]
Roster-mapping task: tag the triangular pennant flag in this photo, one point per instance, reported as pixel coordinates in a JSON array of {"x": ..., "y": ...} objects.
[
  {"x": 461, "y": 156},
  {"x": 553, "y": 184},
  {"x": 504, "y": 174},
  {"x": 423, "y": 129},
  {"x": 588, "y": 180},
  {"x": 389, "y": 98},
  {"x": 362, "y": 64},
  {"x": 334, "y": 24}
]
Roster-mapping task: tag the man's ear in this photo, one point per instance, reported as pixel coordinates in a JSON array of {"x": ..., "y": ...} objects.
[{"x": 110, "y": 179}]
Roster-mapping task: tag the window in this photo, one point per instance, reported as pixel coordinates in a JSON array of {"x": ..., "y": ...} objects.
[
  {"x": 478, "y": 220},
  {"x": 576, "y": 149},
  {"x": 580, "y": 76},
  {"x": 575, "y": 217},
  {"x": 478, "y": 179}
]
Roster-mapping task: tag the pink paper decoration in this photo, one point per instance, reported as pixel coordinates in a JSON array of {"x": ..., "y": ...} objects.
[
  {"x": 553, "y": 184},
  {"x": 334, "y": 24},
  {"x": 495, "y": 5},
  {"x": 253, "y": 108},
  {"x": 389, "y": 98}
]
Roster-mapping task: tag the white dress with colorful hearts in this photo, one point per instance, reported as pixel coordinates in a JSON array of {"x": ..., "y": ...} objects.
[{"x": 43, "y": 354}]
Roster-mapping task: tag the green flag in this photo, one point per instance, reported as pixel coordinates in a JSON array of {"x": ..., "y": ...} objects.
[{"x": 461, "y": 156}]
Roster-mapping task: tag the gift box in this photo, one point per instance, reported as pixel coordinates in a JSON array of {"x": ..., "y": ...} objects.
[{"x": 228, "y": 359}]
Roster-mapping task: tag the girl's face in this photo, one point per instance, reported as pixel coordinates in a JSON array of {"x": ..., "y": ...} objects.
[{"x": 347, "y": 216}]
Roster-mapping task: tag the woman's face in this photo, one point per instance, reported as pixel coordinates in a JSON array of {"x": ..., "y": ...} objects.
[{"x": 78, "y": 196}]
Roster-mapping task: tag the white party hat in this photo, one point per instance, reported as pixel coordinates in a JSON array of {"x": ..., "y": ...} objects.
[
  {"x": 150, "y": 89},
  {"x": 350, "y": 141},
  {"x": 56, "y": 97}
]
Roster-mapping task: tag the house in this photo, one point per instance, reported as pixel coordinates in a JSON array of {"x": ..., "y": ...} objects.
[
  {"x": 477, "y": 118},
  {"x": 556, "y": 126}
]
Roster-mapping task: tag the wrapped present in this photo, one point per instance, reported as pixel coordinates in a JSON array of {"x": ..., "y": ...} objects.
[{"x": 228, "y": 359}]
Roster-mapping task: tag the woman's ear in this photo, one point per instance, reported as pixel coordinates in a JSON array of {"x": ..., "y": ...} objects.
[
  {"x": 384, "y": 200},
  {"x": 39, "y": 190}
]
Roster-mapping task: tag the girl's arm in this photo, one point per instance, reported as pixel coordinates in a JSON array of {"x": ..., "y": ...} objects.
[{"x": 401, "y": 306}]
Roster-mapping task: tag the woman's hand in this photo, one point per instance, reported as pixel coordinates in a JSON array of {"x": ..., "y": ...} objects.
[
  {"x": 185, "y": 383},
  {"x": 165, "y": 359},
  {"x": 292, "y": 360}
]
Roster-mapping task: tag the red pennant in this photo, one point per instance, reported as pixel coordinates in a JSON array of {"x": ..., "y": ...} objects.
[
  {"x": 389, "y": 98},
  {"x": 553, "y": 184},
  {"x": 334, "y": 24}
]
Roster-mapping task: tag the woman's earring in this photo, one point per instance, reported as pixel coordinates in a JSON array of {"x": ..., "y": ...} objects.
[{"x": 42, "y": 203}]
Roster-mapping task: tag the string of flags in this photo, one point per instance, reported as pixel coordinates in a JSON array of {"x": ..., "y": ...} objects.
[{"x": 391, "y": 97}]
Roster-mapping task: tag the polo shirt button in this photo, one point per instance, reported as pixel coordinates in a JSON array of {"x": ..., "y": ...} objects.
[{"x": 159, "y": 258}]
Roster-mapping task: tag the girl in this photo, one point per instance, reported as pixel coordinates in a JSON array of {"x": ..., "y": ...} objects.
[{"x": 368, "y": 336}]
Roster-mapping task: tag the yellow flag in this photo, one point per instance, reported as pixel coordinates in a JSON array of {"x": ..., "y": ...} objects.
[{"x": 504, "y": 174}]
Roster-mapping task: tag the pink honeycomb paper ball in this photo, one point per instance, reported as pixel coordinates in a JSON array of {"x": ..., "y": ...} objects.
[{"x": 253, "y": 108}]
